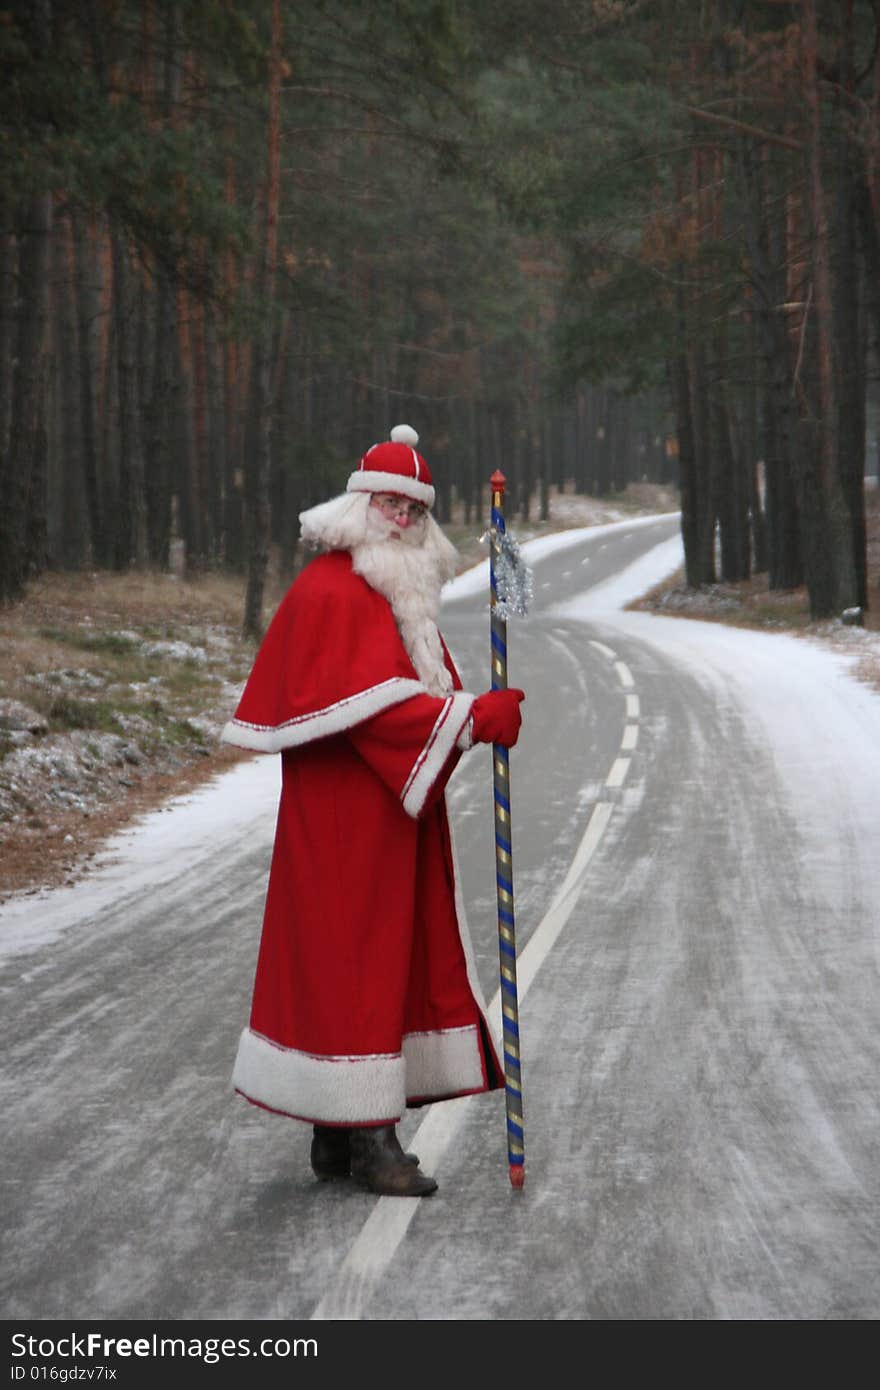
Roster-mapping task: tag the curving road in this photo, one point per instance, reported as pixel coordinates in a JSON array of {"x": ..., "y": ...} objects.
[{"x": 698, "y": 900}]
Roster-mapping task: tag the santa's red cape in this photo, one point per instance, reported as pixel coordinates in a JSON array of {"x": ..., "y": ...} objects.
[{"x": 366, "y": 998}]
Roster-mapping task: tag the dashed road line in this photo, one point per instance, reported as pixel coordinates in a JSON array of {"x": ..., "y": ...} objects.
[
  {"x": 630, "y": 738},
  {"x": 619, "y": 769},
  {"x": 600, "y": 647}
]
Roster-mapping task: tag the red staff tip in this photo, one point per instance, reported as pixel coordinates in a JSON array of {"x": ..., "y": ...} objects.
[
  {"x": 517, "y": 1174},
  {"x": 498, "y": 481}
]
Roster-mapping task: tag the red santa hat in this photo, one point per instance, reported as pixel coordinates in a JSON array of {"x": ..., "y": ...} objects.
[{"x": 395, "y": 467}]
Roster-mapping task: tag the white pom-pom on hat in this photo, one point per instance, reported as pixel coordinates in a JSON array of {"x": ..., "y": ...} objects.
[
  {"x": 404, "y": 434},
  {"x": 395, "y": 467}
]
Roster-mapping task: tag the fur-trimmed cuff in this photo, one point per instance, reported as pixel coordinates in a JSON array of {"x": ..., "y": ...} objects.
[
  {"x": 465, "y": 740},
  {"x": 326, "y": 1090},
  {"x": 335, "y": 719},
  {"x": 442, "y": 741}
]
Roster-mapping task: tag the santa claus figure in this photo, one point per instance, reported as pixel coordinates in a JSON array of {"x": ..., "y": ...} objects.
[{"x": 366, "y": 999}]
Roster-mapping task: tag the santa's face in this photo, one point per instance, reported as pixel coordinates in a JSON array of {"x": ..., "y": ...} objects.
[{"x": 396, "y": 518}]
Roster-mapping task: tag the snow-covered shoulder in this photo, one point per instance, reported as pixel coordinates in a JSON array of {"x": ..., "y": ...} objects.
[
  {"x": 165, "y": 849},
  {"x": 476, "y": 579}
]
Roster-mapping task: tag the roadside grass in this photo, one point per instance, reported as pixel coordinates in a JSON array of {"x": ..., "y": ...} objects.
[
  {"x": 113, "y": 692},
  {"x": 747, "y": 603},
  {"x": 68, "y": 712},
  {"x": 104, "y": 643},
  {"x": 164, "y": 675}
]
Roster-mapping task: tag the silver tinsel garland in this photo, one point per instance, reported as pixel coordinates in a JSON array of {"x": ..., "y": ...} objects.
[{"x": 513, "y": 578}]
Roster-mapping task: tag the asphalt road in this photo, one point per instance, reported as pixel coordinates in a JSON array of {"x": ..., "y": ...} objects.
[{"x": 701, "y": 1041}]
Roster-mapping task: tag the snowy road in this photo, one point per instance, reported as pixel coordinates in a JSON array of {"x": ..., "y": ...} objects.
[{"x": 697, "y": 866}]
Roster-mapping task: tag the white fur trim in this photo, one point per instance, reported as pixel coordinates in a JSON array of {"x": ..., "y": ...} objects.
[
  {"x": 432, "y": 759},
  {"x": 335, "y": 719},
  {"x": 465, "y": 740},
  {"x": 360, "y": 1089},
  {"x": 443, "y": 1063},
  {"x": 363, "y": 481}
]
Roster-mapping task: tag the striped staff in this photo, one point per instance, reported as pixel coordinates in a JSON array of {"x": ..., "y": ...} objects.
[{"x": 504, "y": 856}]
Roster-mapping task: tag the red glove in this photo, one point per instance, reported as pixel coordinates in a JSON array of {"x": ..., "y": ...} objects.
[{"x": 495, "y": 716}]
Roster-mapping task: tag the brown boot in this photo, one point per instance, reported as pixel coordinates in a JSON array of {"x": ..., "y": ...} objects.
[
  {"x": 331, "y": 1152},
  {"x": 379, "y": 1164}
]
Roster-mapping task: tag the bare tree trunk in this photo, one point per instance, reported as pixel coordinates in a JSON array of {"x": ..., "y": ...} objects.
[
  {"x": 800, "y": 386},
  {"x": 232, "y": 528},
  {"x": 258, "y": 462},
  {"x": 70, "y": 533},
  {"x": 159, "y": 411},
  {"x": 849, "y": 326},
  {"x": 582, "y": 444},
  {"x": 705, "y": 467},
  {"x": 732, "y": 504},
  {"x": 188, "y": 484},
  {"x": 868, "y": 204},
  {"x": 86, "y": 367},
  {"x": 838, "y": 590},
  {"x": 767, "y": 254},
  {"x": 162, "y": 406},
  {"x": 216, "y": 435},
  {"x": 682, "y": 396},
  {"x": 544, "y": 466},
  {"x": 23, "y": 463},
  {"x": 131, "y": 534},
  {"x": 751, "y": 454},
  {"x": 602, "y": 442},
  {"x": 8, "y": 281},
  {"x": 618, "y": 442}
]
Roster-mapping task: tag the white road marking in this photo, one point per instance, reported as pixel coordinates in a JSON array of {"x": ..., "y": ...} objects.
[
  {"x": 624, "y": 674},
  {"x": 630, "y": 738},
  {"x": 618, "y": 772},
  {"x": 632, "y": 706},
  {"x": 606, "y": 651}
]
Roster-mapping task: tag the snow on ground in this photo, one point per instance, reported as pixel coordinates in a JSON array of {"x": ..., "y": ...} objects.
[
  {"x": 476, "y": 580},
  {"x": 147, "y": 853},
  {"x": 822, "y": 724}
]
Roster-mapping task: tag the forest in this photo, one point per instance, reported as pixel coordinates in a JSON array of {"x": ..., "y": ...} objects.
[{"x": 587, "y": 242}]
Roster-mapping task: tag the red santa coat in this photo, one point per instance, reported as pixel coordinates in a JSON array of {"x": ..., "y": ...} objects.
[{"x": 366, "y": 998}]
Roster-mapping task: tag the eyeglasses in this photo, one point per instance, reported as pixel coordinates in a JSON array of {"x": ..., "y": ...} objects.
[{"x": 397, "y": 506}]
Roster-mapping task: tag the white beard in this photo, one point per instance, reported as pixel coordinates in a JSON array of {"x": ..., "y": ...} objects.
[{"x": 407, "y": 567}]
